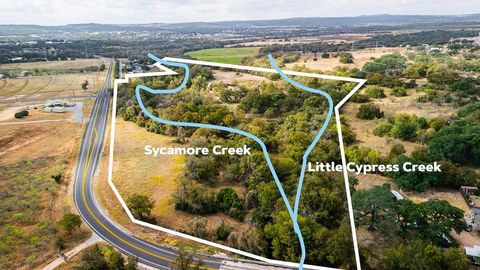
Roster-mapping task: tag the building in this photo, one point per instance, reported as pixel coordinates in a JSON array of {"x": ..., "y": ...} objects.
[
  {"x": 57, "y": 106},
  {"x": 24, "y": 73},
  {"x": 468, "y": 190},
  {"x": 473, "y": 253},
  {"x": 2, "y": 76}
]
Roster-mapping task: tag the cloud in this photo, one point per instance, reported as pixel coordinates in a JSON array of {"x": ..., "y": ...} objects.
[{"x": 54, "y": 12}]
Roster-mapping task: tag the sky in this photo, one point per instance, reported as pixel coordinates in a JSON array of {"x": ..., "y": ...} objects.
[{"x": 60, "y": 12}]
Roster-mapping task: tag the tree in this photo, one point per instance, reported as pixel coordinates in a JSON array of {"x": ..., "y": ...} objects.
[
  {"x": 131, "y": 263},
  {"x": 321, "y": 200},
  {"x": 414, "y": 256},
  {"x": 420, "y": 255},
  {"x": 399, "y": 91},
  {"x": 222, "y": 231},
  {"x": 371, "y": 206},
  {"x": 455, "y": 259},
  {"x": 373, "y": 91},
  {"x": 198, "y": 227},
  {"x": 459, "y": 143},
  {"x": 114, "y": 259},
  {"x": 140, "y": 206},
  {"x": 441, "y": 74},
  {"x": 59, "y": 242},
  {"x": 184, "y": 261},
  {"x": 346, "y": 58},
  {"x": 413, "y": 180},
  {"x": 85, "y": 85},
  {"x": 405, "y": 131},
  {"x": 93, "y": 259},
  {"x": 70, "y": 222},
  {"x": 203, "y": 169},
  {"x": 384, "y": 63},
  {"x": 227, "y": 198},
  {"x": 369, "y": 111},
  {"x": 437, "y": 218}
]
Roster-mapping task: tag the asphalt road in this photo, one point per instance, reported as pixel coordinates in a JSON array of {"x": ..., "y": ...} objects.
[{"x": 90, "y": 150}]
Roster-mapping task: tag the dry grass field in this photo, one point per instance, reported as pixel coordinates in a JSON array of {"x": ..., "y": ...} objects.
[
  {"x": 360, "y": 57},
  {"x": 49, "y": 86},
  {"x": 66, "y": 64},
  {"x": 390, "y": 106},
  {"x": 157, "y": 178},
  {"x": 31, "y": 200}
]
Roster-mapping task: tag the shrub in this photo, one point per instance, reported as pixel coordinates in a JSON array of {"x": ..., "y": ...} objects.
[
  {"x": 198, "y": 227},
  {"x": 346, "y": 58},
  {"x": 397, "y": 150},
  {"x": 383, "y": 129},
  {"x": 369, "y": 111},
  {"x": 374, "y": 91},
  {"x": 222, "y": 231},
  {"x": 140, "y": 206},
  {"x": 359, "y": 98},
  {"x": 57, "y": 178},
  {"x": 399, "y": 92},
  {"x": 405, "y": 131}
]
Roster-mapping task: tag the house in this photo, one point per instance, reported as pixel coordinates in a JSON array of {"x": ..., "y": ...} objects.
[
  {"x": 2, "y": 76},
  {"x": 473, "y": 253},
  {"x": 468, "y": 190}
]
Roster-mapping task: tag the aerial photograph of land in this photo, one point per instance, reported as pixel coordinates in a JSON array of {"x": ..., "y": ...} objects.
[{"x": 309, "y": 135}]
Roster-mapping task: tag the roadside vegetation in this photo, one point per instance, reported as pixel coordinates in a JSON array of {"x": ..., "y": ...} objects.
[{"x": 36, "y": 222}]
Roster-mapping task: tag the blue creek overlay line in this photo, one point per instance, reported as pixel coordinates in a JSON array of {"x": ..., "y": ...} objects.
[{"x": 292, "y": 212}]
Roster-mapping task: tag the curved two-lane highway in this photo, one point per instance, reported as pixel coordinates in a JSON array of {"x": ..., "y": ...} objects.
[{"x": 90, "y": 150}]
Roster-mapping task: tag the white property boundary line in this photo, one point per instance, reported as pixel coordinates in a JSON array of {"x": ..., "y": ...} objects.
[{"x": 166, "y": 71}]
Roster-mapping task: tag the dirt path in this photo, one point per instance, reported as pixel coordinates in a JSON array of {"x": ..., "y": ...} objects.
[{"x": 69, "y": 254}]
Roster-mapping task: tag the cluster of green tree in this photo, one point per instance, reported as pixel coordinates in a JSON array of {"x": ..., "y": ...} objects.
[
  {"x": 437, "y": 37},
  {"x": 420, "y": 255},
  {"x": 408, "y": 127},
  {"x": 109, "y": 48},
  {"x": 450, "y": 176},
  {"x": 210, "y": 183},
  {"x": 431, "y": 221},
  {"x": 415, "y": 236},
  {"x": 195, "y": 198},
  {"x": 107, "y": 258},
  {"x": 459, "y": 142},
  {"x": 389, "y": 63}
]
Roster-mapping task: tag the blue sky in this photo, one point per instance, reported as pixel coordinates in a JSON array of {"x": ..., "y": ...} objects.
[{"x": 57, "y": 12}]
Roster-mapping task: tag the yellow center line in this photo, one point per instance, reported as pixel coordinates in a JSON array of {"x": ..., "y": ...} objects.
[{"x": 86, "y": 165}]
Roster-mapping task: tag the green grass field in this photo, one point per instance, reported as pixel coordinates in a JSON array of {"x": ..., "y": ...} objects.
[{"x": 224, "y": 55}]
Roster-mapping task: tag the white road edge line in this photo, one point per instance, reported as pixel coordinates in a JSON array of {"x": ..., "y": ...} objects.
[{"x": 167, "y": 71}]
